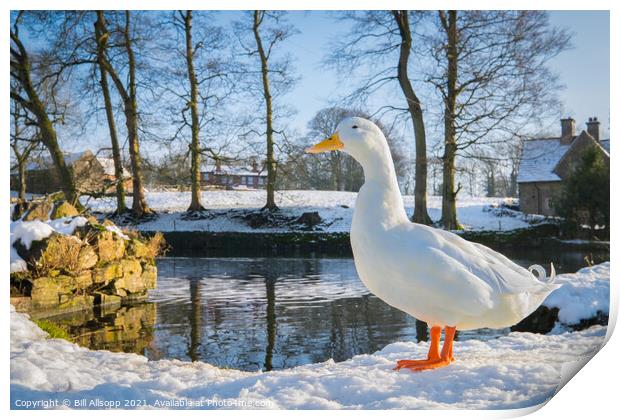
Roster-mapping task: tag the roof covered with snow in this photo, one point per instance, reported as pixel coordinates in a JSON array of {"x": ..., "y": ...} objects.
[{"x": 539, "y": 158}]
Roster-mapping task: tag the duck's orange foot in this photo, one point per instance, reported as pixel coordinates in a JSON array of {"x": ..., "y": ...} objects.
[
  {"x": 424, "y": 364},
  {"x": 408, "y": 364},
  {"x": 432, "y": 364}
]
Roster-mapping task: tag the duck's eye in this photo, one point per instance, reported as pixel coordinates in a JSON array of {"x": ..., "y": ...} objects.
[{"x": 355, "y": 126}]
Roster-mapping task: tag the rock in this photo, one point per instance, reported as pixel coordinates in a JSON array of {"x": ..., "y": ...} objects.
[
  {"x": 106, "y": 273},
  {"x": 76, "y": 303},
  {"x": 309, "y": 219},
  {"x": 45, "y": 292},
  {"x": 149, "y": 276},
  {"x": 110, "y": 246},
  {"x": 104, "y": 299},
  {"x": 135, "y": 297},
  {"x": 138, "y": 249},
  {"x": 39, "y": 210},
  {"x": 88, "y": 257},
  {"x": 540, "y": 321},
  {"x": 131, "y": 281},
  {"x": 83, "y": 280},
  {"x": 63, "y": 209}
]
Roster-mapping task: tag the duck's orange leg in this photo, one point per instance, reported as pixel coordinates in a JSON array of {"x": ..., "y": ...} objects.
[
  {"x": 433, "y": 352},
  {"x": 446, "y": 356}
]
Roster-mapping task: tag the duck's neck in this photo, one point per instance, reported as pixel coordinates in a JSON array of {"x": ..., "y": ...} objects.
[{"x": 379, "y": 199}]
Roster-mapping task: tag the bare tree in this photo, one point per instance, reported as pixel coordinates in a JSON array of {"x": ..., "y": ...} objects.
[
  {"x": 30, "y": 94},
  {"x": 383, "y": 41},
  {"x": 128, "y": 95},
  {"x": 24, "y": 141},
  {"x": 195, "y": 204},
  {"x": 268, "y": 29},
  {"x": 420, "y": 213},
  {"x": 102, "y": 37},
  {"x": 259, "y": 16},
  {"x": 493, "y": 79}
]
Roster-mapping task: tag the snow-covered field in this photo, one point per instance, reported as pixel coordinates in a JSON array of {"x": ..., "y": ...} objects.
[
  {"x": 335, "y": 208},
  {"x": 515, "y": 371}
]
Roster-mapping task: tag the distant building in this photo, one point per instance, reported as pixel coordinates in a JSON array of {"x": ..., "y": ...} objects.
[
  {"x": 93, "y": 174},
  {"x": 233, "y": 176},
  {"x": 547, "y": 162}
]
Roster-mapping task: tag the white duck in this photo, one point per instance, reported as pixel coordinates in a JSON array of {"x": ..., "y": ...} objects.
[{"x": 431, "y": 274}]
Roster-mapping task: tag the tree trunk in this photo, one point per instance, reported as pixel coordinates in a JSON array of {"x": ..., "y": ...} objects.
[
  {"x": 139, "y": 206},
  {"x": 195, "y": 204},
  {"x": 46, "y": 128},
  {"x": 21, "y": 171},
  {"x": 271, "y": 163},
  {"x": 448, "y": 201},
  {"x": 102, "y": 35},
  {"x": 420, "y": 213}
]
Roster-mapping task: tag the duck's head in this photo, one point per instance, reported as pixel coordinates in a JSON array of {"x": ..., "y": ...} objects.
[{"x": 356, "y": 136}]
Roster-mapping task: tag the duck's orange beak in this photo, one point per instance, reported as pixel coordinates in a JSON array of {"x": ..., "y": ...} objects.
[{"x": 329, "y": 144}]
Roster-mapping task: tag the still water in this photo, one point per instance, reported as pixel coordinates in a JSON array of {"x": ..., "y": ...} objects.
[{"x": 265, "y": 313}]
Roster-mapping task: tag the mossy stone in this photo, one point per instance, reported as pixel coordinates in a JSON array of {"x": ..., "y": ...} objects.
[
  {"x": 106, "y": 273},
  {"x": 110, "y": 246},
  {"x": 39, "y": 210},
  {"x": 149, "y": 276},
  {"x": 63, "y": 209}
]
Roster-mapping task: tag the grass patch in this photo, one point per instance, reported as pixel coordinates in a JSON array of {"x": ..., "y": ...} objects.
[
  {"x": 62, "y": 253},
  {"x": 53, "y": 329}
]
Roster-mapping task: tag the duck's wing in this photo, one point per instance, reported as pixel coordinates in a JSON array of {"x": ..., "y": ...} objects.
[
  {"x": 435, "y": 278},
  {"x": 498, "y": 271}
]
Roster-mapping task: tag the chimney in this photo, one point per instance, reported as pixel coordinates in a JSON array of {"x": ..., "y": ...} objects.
[
  {"x": 568, "y": 130},
  {"x": 254, "y": 166},
  {"x": 593, "y": 126},
  {"x": 218, "y": 165}
]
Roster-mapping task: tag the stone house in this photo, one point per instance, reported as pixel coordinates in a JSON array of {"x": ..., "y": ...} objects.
[
  {"x": 547, "y": 162},
  {"x": 93, "y": 174},
  {"x": 233, "y": 176}
]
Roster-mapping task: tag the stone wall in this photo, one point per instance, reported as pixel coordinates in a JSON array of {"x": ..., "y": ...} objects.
[
  {"x": 97, "y": 265},
  {"x": 538, "y": 197}
]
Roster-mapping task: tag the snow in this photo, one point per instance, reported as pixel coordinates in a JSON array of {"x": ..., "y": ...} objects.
[
  {"x": 582, "y": 294},
  {"x": 335, "y": 208},
  {"x": 539, "y": 159},
  {"x": 116, "y": 229},
  {"x": 515, "y": 371},
  {"x": 36, "y": 230}
]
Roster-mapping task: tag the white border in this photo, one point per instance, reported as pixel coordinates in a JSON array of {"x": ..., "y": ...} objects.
[{"x": 592, "y": 394}]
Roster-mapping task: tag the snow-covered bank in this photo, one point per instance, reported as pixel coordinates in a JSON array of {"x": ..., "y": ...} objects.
[
  {"x": 582, "y": 294},
  {"x": 335, "y": 208},
  {"x": 515, "y": 371}
]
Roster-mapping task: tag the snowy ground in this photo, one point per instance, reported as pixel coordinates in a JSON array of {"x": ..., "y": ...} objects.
[
  {"x": 336, "y": 209},
  {"x": 515, "y": 371}
]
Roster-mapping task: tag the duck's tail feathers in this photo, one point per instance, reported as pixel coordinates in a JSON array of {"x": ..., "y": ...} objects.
[{"x": 541, "y": 274}]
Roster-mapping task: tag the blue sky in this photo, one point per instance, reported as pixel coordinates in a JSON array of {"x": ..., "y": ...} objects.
[{"x": 583, "y": 70}]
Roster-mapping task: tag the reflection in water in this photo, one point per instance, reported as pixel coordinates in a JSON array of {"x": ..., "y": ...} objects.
[
  {"x": 127, "y": 328},
  {"x": 259, "y": 314}
]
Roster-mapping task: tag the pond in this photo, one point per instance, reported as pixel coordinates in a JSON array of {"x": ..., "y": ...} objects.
[{"x": 266, "y": 313}]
